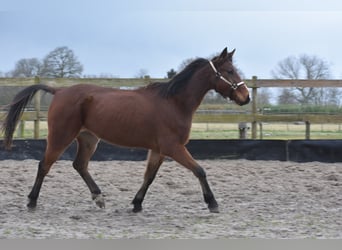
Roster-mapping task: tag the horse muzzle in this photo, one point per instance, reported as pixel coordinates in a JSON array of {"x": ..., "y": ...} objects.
[{"x": 243, "y": 102}]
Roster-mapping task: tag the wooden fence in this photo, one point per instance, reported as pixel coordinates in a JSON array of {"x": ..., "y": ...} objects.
[{"x": 254, "y": 117}]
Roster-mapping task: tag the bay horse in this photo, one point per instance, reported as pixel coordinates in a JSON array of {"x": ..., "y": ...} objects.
[{"x": 156, "y": 117}]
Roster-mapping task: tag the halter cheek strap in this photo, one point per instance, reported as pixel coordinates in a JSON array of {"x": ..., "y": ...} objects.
[{"x": 219, "y": 75}]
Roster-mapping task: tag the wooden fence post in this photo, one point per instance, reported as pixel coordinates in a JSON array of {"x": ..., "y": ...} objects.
[
  {"x": 307, "y": 130},
  {"x": 254, "y": 108},
  {"x": 261, "y": 131},
  {"x": 37, "y": 109},
  {"x": 243, "y": 128},
  {"x": 21, "y": 129}
]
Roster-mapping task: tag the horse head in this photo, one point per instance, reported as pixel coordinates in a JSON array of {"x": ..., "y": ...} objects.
[{"x": 228, "y": 83}]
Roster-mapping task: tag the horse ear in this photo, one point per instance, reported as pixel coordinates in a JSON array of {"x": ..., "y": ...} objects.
[
  {"x": 230, "y": 55},
  {"x": 224, "y": 54}
]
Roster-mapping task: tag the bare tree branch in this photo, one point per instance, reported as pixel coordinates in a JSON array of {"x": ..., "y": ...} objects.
[
  {"x": 304, "y": 67},
  {"x": 61, "y": 62},
  {"x": 27, "y": 68}
]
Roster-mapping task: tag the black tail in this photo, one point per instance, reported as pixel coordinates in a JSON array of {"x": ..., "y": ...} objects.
[{"x": 16, "y": 109}]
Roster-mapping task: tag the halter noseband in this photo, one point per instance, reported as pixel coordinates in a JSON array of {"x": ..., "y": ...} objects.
[{"x": 219, "y": 75}]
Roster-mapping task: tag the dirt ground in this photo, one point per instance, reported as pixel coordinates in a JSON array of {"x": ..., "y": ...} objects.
[{"x": 258, "y": 199}]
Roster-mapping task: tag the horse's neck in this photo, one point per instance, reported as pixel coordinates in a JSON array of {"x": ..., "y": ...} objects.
[{"x": 190, "y": 99}]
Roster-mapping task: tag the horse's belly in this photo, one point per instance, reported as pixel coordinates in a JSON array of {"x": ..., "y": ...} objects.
[
  {"x": 123, "y": 130},
  {"x": 128, "y": 139}
]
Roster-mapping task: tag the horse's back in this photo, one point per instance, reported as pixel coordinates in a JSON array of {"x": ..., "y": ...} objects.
[{"x": 119, "y": 116}]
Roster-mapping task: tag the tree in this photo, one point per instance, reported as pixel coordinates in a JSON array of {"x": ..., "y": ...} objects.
[
  {"x": 264, "y": 97},
  {"x": 287, "y": 97},
  {"x": 303, "y": 67},
  {"x": 171, "y": 73},
  {"x": 61, "y": 62},
  {"x": 142, "y": 73},
  {"x": 27, "y": 68}
]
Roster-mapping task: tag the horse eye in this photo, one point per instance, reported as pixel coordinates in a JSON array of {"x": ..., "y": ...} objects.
[{"x": 230, "y": 71}]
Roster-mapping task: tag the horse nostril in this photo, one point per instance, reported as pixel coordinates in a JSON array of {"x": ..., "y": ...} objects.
[{"x": 247, "y": 100}]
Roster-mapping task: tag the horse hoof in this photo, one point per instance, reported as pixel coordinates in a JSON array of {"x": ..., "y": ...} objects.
[
  {"x": 137, "y": 209},
  {"x": 99, "y": 200},
  {"x": 32, "y": 204},
  {"x": 214, "y": 210}
]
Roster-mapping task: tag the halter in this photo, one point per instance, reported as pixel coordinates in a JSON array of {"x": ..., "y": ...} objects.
[{"x": 219, "y": 75}]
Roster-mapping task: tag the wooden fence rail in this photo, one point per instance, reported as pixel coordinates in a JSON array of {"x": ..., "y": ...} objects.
[{"x": 253, "y": 117}]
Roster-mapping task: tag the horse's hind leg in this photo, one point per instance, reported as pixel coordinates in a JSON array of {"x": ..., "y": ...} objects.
[
  {"x": 86, "y": 146},
  {"x": 52, "y": 153},
  {"x": 154, "y": 161},
  {"x": 64, "y": 124}
]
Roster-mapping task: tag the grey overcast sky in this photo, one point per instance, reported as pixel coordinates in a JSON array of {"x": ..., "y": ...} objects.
[{"x": 121, "y": 37}]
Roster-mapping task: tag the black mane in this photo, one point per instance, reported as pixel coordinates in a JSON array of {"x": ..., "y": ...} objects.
[{"x": 179, "y": 81}]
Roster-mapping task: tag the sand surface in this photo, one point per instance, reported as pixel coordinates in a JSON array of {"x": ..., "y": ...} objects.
[{"x": 257, "y": 199}]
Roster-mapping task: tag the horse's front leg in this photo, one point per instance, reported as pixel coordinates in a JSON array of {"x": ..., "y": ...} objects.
[
  {"x": 154, "y": 160},
  {"x": 182, "y": 156}
]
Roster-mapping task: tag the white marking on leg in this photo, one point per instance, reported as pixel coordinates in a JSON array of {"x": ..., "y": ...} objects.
[{"x": 99, "y": 200}]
